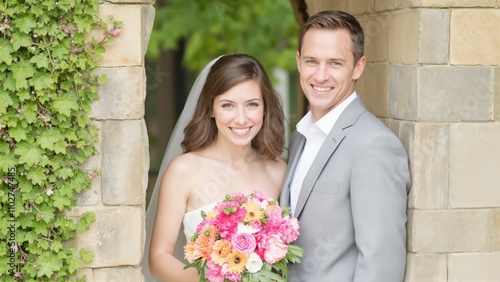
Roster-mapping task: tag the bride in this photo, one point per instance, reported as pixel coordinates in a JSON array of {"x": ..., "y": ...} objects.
[{"x": 231, "y": 144}]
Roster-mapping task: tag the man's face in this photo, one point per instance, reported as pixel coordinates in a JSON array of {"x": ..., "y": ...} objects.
[{"x": 327, "y": 69}]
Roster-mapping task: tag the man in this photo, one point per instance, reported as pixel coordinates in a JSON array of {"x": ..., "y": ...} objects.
[{"x": 348, "y": 177}]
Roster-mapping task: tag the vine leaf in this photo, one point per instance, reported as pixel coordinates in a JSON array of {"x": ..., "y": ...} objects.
[
  {"x": 5, "y": 101},
  {"x": 21, "y": 71},
  {"x": 29, "y": 153},
  {"x": 49, "y": 138},
  {"x": 5, "y": 50},
  {"x": 40, "y": 61},
  {"x": 20, "y": 40},
  {"x": 25, "y": 24},
  {"x": 18, "y": 133},
  {"x": 49, "y": 264},
  {"x": 7, "y": 161},
  {"x": 86, "y": 256},
  {"x": 42, "y": 80},
  {"x": 63, "y": 104}
]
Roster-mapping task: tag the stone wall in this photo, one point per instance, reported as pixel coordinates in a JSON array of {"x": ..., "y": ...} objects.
[
  {"x": 433, "y": 77},
  {"x": 117, "y": 196}
]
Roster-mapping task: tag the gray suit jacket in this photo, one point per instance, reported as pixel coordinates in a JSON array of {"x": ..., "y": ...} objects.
[{"x": 352, "y": 205}]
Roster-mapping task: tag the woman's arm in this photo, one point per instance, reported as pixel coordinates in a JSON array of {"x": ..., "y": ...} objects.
[{"x": 172, "y": 199}]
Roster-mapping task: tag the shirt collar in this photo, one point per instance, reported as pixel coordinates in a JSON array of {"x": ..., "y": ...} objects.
[{"x": 326, "y": 123}]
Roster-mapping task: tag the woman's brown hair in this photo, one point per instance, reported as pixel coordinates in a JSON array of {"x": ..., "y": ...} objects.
[{"x": 227, "y": 72}]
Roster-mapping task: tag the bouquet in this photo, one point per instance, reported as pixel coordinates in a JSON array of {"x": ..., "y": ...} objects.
[{"x": 244, "y": 238}]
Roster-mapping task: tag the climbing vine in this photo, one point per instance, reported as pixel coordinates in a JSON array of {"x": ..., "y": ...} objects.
[{"x": 47, "y": 86}]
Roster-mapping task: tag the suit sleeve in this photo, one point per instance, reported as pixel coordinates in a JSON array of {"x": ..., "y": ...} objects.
[{"x": 379, "y": 182}]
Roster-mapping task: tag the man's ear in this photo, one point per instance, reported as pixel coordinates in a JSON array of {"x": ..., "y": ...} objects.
[
  {"x": 359, "y": 68},
  {"x": 297, "y": 59}
]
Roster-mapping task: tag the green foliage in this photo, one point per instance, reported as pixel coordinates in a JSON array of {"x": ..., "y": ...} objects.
[
  {"x": 46, "y": 90},
  {"x": 262, "y": 28}
]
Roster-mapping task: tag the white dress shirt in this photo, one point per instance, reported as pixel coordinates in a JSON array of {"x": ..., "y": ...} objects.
[{"x": 315, "y": 134}]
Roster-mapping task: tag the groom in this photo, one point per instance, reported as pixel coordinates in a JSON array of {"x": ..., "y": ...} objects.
[{"x": 348, "y": 177}]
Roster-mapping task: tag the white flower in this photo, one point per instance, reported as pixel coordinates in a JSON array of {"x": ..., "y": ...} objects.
[
  {"x": 254, "y": 263},
  {"x": 242, "y": 228}
]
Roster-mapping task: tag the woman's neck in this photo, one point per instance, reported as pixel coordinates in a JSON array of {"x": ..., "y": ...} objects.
[{"x": 232, "y": 154}]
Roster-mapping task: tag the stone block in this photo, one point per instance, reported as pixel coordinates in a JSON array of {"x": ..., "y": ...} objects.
[
  {"x": 481, "y": 267},
  {"x": 148, "y": 16},
  {"x": 372, "y": 88},
  {"x": 454, "y": 3},
  {"x": 428, "y": 150},
  {"x": 434, "y": 36},
  {"x": 496, "y": 230},
  {"x": 383, "y": 5},
  {"x": 86, "y": 273},
  {"x": 360, "y": 7},
  {"x": 443, "y": 231},
  {"x": 404, "y": 37},
  {"x": 455, "y": 93},
  {"x": 124, "y": 162},
  {"x": 403, "y": 92},
  {"x": 314, "y": 6},
  {"x": 474, "y": 165},
  {"x": 122, "y": 96},
  {"x": 474, "y": 37},
  {"x": 426, "y": 268},
  {"x": 376, "y": 29},
  {"x": 118, "y": 274},
  {"x": 115, "y": 237},
  {"x": 126, "y": 48},
  {"x": 92, "y": 196},
  {"x": 496, "y": 106}
]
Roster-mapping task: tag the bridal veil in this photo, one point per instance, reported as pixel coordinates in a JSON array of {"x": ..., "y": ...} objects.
[{"x": 173, "y": 150}]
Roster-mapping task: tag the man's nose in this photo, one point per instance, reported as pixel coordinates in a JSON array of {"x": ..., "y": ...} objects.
[{"x": 321, "y": 73}]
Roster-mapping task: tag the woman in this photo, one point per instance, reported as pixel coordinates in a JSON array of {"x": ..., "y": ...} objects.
[{"x": 232, "y": 144}]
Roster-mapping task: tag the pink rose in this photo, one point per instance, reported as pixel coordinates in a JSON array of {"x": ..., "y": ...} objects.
[
  {"x": 276, "y": 249},
  {"x": 244, "y": 243}
]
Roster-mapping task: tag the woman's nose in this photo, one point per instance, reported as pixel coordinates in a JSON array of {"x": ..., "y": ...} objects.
[{"x": 241, "y": 116}]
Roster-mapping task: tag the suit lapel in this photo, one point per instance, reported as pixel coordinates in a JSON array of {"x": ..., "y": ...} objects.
[
  {"x": 332, "y": 141},
  {"x": 296, "y": 147}
]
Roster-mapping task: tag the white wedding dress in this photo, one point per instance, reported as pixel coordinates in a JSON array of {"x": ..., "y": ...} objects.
[{"x": 193, "y": 218}]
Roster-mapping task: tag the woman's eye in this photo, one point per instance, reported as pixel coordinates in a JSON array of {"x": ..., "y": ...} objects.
[
  {"x": 226, "y": 105},
  {"x": 253, "y": 104}
]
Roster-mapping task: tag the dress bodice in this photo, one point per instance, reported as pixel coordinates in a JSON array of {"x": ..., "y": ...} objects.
[{"x": 193, "y": 218}]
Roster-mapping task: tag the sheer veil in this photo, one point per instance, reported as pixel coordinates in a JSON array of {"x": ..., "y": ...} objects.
[{"x": 173, "y": 150}]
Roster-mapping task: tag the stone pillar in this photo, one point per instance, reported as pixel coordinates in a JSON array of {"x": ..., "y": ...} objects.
[
  {"x": 433, "y": 77},
  {"x": 117, "y": 196}
]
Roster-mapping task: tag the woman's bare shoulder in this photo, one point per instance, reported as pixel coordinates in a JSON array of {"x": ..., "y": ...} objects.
[
  {"x": 277, "y": 164},
  {"x": 184, "y": 164}
]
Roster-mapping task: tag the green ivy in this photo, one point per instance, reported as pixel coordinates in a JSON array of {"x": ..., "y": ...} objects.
[{"x": 47, "y": 86}]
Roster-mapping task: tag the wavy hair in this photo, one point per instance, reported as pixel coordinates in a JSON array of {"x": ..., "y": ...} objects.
[{"x": 227, "y": 72}]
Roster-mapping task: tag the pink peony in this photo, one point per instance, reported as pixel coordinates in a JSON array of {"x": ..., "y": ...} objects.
[
  {"x": 276, "y": 249},
  {"x": 244, "y": 243}
]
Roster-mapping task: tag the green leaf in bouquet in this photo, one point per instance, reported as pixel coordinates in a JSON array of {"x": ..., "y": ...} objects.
[{"x": 293, "y": 254}]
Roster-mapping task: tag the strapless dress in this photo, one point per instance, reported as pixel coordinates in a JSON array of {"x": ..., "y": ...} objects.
[{"x": 193, "y": 218}]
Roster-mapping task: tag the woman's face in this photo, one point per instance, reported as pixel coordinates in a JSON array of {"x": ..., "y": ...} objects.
[{"x": 239, "y": 113}]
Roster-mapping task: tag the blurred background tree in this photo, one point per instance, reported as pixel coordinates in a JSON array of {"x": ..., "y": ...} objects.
[
  {"x": 187, "y": 34},
  {"x": 264, "y": 29}
]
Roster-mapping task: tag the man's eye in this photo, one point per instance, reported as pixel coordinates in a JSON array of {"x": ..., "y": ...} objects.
[
  {"x": 336, "y": 63},
  {"x": 310, "y": 62}
]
